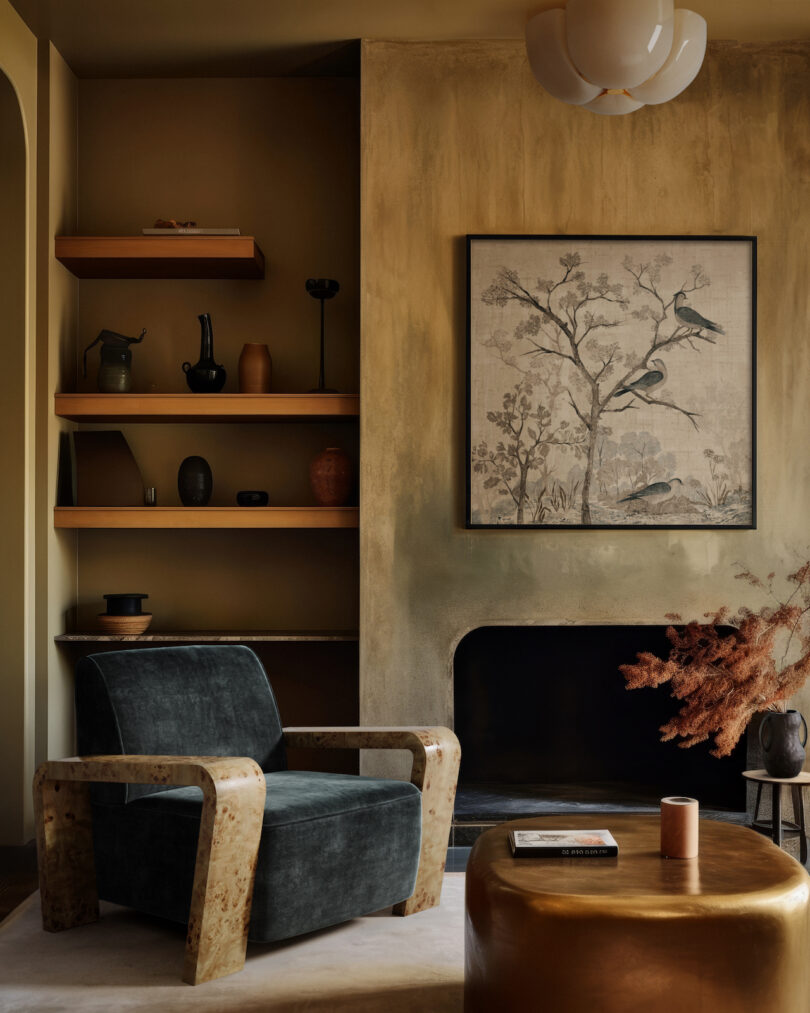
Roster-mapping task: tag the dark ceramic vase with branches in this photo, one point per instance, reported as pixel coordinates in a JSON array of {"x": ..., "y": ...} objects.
[{"x": 783, "y": 736}]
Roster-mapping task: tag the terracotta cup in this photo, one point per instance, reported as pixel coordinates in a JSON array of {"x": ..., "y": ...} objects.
[
  {"x": 679, "y": 827},
  {"x": 255, "y": 369},
  {"x": 330, "y": 475}
]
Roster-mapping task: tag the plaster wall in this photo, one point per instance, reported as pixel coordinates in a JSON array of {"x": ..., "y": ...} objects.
[
  {"x": 458, "y": 138},
  {"x": 60, "y": 328},
  {"x": 18, "y": 138}
]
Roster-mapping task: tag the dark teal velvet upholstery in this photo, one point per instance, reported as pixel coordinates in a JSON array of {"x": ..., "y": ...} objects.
[
  {"x": 333, "y": 846},
  {"x": 185, "y": 701}
]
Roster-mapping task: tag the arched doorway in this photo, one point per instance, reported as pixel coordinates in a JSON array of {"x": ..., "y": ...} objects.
[{"x": 15, "y": 701}]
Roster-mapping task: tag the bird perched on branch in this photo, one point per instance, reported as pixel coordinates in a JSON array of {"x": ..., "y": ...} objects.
[
  {"x": 655, "y": 494},
  {"x": 691, "y": 318},
  {"x": 648, "y": 381}
]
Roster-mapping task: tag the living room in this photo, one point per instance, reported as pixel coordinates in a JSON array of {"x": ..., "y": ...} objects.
[{"x": 368, "y": 162}]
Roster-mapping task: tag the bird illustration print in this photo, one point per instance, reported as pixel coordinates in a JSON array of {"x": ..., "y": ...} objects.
[
  {"x": 691, "y": 318},
  {"x": 648, "y": 381},
  {"x": 655, "y": 495}
]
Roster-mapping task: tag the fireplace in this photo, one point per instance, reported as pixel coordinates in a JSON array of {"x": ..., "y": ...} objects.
[{"x": 547, "y": 726}]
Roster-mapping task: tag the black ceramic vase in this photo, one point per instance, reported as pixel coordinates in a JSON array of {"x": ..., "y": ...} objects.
[
  {"x": 783, "y": 737},
  {"x": 205, "y": 377},
  {"x": 195, "y": 482}
]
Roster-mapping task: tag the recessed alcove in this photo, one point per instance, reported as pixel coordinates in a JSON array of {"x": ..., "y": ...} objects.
[{"x": 546, "y": 725}]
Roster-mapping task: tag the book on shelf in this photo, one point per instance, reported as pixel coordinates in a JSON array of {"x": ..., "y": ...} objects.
[
  {"x": 563, "y": 844},
  {"x": 183, "y": 231}
]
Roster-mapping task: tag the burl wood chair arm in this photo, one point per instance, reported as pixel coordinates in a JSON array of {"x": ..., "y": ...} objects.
[
  {"x": 230, "y": 827},
  {"x": 436, "y": 756}
]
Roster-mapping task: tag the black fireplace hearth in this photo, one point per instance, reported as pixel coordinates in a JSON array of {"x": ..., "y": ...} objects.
[{"x": 547, "y": 726}]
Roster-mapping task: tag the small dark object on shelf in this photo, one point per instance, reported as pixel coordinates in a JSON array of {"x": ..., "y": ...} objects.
[
  {"x": 114, "y": 373},
  {"x": 195, "y": 482},
  {"x": 124, "y": 604},
  {"x": 205, "y": 376},
  {"x": 323, "y": 289},
  {"x": 124, "y": 616},
  {"x": 252, "y": 498}
]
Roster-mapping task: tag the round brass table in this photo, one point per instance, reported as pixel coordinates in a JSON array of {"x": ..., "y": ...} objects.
[{"x": 727, "y": 932}]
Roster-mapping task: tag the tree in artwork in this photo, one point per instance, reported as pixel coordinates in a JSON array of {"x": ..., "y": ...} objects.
[{"x": 598, "y": 338}]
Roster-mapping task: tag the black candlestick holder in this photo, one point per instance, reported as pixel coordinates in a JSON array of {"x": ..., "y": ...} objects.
[{"x": 323, "y": 289}]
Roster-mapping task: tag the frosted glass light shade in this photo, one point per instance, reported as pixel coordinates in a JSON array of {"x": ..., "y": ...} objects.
[
  {"x": 614, "y": 56},
  {"x": 611, "y": 103},
  {"x": 550, "y": 62},
  {"x": 682, "y": 65},
  {"x": 619, "y": 43}
]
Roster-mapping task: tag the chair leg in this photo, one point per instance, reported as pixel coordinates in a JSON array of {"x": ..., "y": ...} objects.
[
  {"x": 759, "y": 799},
  {"x": 798, "y": 817},
  {"x": 67, "y": 877},
  {"x": 437, "y": 781},
  {"x": 776, "y": 813},
  {"x": 227, "y": 851}
]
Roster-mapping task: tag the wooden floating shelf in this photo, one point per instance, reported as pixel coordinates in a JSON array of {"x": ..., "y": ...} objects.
[
  {"x": 206, "y": 517},
  {"x": 214, "y": 637},
  {"x": 161, "y": 256},
  {"x": 206, "y": 407}
]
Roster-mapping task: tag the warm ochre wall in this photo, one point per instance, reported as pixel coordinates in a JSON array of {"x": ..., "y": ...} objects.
[
  {"x": 12, "y": 412},
  {"x": 18, "y": 141},
  {"x": 278, "y": 159},
  {"x": 62, "y": 296},
  {"x": 458, "y": 138}
]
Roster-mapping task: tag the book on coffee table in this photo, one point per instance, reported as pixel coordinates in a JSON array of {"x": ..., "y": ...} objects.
[{"x": 563, "y": 844}]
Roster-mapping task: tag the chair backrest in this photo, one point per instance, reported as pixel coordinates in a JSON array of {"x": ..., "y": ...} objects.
[{"x": 183, "y": 701}]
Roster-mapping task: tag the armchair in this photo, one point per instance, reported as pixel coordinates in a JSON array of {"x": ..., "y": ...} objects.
[{"x": 181, "y": 805}]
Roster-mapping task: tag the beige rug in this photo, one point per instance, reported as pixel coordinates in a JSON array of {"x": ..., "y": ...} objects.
[{"x": 127, "y": 961}]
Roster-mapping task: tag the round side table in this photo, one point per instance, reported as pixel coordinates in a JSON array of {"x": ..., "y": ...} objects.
[{"x": 778, "y": 826}]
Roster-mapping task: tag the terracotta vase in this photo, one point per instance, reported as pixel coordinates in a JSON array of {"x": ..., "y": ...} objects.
[
  {"x": 330, "y": 475},
  {"x": 255, "y": 369}
]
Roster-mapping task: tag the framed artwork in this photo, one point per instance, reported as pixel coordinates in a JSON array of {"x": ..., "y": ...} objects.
[{"x": 611, "y": 381}]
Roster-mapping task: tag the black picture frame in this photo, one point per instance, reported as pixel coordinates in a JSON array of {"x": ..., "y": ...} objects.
[{"x": 573, "y": 420}]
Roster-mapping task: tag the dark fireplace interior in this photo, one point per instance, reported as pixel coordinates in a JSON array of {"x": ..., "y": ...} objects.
[{"x": 546, "y": 725}]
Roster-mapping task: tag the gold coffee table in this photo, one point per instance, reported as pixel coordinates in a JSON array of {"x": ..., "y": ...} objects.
[{"x": 727, "y": 932}]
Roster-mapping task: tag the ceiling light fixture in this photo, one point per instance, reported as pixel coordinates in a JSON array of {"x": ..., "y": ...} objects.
[{"x": 615, "y": 56}]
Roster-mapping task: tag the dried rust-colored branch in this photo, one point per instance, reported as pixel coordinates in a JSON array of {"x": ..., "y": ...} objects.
[{"x": 729, "y": 668}]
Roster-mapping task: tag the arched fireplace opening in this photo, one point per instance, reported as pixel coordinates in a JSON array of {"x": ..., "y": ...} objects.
[{"x": 547, "y": 726}]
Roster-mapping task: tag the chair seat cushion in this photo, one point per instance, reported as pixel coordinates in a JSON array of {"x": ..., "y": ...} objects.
[{"x": 333, "y": 847}]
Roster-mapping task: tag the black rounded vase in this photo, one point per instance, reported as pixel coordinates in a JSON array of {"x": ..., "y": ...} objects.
[
  {"x": 783, "y": 737},
  {"x": 195, "y": 482},
  {"x": 205, "y": 376}
]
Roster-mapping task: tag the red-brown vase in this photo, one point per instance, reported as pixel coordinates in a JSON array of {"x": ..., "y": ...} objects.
[
  {"x": 330, "y": 475},
  {"x": 255, "y": 370}
]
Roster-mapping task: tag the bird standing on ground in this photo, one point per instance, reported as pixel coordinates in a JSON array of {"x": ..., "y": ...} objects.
[
  {"x": 647, "y": 382},
  {"x": 655, "y": 494},
  {"x": 691, "y": 318}
]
